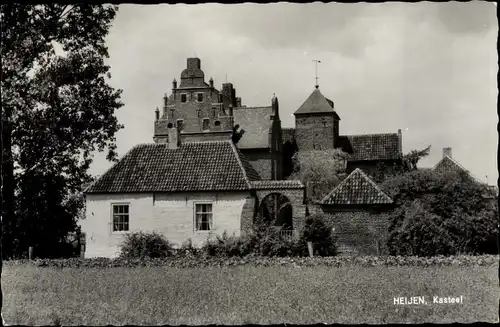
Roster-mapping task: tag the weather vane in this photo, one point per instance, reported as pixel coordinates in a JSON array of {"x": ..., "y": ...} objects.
[{"x": 317, "y": 61}]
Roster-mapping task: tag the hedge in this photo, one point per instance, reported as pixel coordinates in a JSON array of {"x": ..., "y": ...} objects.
[{"x": 202, "y": 261}]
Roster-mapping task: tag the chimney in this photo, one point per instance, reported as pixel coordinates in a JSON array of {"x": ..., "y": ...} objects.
[
  {"x": 447, "y": 152},
  {"x": 174, "y": 84},
  {"x": 157, "y": 113},
  {"x": 174, "y": 140},
  {"x": 211, "y": 81},
  {"x": 193, "y": 63},
  {"x": 238, "y": 102},
  {"x": 227, "y": 90}
]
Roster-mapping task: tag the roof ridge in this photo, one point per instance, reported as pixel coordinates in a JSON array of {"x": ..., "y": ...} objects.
[
  {"x": 235, "y": 151},
  {"x": 207, "y": 141},
  {"x": 374, "y": 134}
]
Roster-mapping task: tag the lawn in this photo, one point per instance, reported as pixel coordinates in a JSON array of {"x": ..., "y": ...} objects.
[{"x": 246, "y": 295}]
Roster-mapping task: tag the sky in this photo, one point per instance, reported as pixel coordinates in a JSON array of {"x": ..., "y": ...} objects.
[{"x": 429, "y": 69}]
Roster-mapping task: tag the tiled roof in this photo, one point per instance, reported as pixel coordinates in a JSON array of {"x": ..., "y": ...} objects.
[
  {"x": 374, "y": 146},
  {"x": 274, "y": 185},
  {"x": 287, "y": 134},
  {"x": 315, "y": 103},
  {"x": 256, "y": 122},
  {"x": 357, "y": 188},
  {"x": 196, "y": 166},
  {"x": 448, "y": 164}
]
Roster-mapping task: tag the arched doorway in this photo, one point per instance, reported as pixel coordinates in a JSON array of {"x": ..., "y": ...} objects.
[{"x": 275, "y": 209}]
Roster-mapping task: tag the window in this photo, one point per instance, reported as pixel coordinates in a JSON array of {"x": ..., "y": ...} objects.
[
  {"x": 183, "y": 97},
  {"x": 200, "y": 97},
  {"x": 120, "y": 217},
  {"x": 206, "y": 124},
  {"x": 203, "y": 217},
  {"x": 180, "y": 124}
]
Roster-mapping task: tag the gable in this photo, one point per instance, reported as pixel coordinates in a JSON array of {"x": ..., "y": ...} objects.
[
  {"x": 357, "y": 188},
  {"x": 197, "y": 166},
  {"x": 447, "y": 165}
]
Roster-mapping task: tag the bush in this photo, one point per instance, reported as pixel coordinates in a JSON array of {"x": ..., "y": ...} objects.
[
  {"x": 146, "y": 245},
  {"x": 418, "y": 231},
  {"x": 318, "y": 230},
  {"x": 256, "y": 261},
  {"x": 451, "y": 204},
  {"x": 264, "y": 241},
  {"x": 230, "y": 246},
  {"x": 187, "y": 249}
]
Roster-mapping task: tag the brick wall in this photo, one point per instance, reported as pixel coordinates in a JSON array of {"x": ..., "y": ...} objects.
[
  {"x": 358, "y": 232},
  {"x": 314, "y": 132},
  {"x": 260, "y": 160},
  {"x": 198, "y": 137},
  {"x": 169, "y": 214},
  {"x": 248, "y": 214}
]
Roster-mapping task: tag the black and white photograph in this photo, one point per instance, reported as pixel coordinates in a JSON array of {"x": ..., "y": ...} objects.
[{"x": 249, "y": 163}]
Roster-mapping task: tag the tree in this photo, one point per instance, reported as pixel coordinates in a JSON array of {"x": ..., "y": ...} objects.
[
  {"x": 439, "y": 213},
  {"x": 409, "y": 163},
  {"x": 319, "y": 170},
  {"x": 57, "y": 109}
]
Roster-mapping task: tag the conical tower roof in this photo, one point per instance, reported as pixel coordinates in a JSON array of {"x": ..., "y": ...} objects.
[{"x": 315, "y": 103}]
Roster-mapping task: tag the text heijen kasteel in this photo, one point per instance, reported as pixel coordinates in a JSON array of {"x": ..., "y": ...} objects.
[{"x": 434, "y": 300}]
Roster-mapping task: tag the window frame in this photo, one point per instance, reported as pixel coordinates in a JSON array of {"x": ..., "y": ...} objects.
[
  {"x": 198, "y": 97},
  {"x": 203, "y": 124},
  {"x": 186, "y": 97},
  {"x": 112, "y": 221},
  {"x": 181, "y": 125},
  {"x": 195, "y": 214}
]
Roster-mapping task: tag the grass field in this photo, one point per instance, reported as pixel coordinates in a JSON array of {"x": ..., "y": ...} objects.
[{"x": 246, "y": 295}]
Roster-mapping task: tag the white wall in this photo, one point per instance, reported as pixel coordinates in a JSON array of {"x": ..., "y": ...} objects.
[{"x": 169, "y": 214}]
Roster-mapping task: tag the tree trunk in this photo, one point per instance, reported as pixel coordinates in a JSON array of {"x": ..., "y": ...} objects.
[{"x": 8, "y": 186}]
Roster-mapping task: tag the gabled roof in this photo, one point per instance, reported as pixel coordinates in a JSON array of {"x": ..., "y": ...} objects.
[
  {"x": 256, "y": 122},
  {"x": 357, "y": 188},
  {"x": 374, "y": 146},
  {"x": 448, "y": 164},
  {"x": 315, "y": 103},
  {"x": 196, "y": 166}
]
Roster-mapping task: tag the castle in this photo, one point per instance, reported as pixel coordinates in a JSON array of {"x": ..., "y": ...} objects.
[
  {"x": 200, "y": 112},
  {"x": 219, "y": 166}
]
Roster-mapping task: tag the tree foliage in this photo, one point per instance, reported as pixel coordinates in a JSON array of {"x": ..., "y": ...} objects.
[
  {"x": 409, "y": 163},
  {"x": 319, "y": 170},
  {"x": 440, "y": 213},
  {"x": 57, "y": 109}
]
